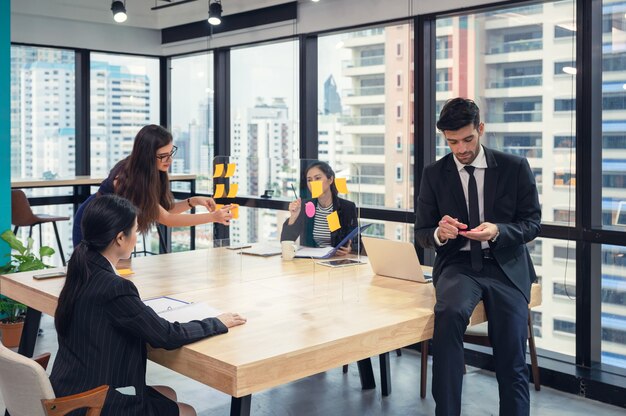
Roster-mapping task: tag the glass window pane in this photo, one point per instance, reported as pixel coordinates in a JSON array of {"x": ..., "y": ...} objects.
[
  {"x": 124, "y": 98},
  {"x": 365, "y": 102},
  {"x": 554, "y": 322},
  {"x": 264, "y": 113},
  {"x": 613, "y": 116},
  {"x": 518, "y": 64},
  {"x": 191, "y": 121},
  {"x": 42, "y": 112},
  {"x": 613, "y": 316}
]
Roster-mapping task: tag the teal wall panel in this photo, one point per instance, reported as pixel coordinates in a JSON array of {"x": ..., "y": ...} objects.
[{"x": 5, "y": 122}]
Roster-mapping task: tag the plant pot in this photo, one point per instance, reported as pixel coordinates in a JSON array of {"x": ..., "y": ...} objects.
[{"x": 11, "y": 334}]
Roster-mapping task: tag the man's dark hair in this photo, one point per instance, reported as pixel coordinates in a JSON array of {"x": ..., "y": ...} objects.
[{"x": 458, "y": 113}]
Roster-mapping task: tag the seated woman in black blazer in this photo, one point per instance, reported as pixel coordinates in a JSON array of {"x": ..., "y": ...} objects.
[
  {"x": 314, "y": 232},
  {"x": 103, "y": 326}
]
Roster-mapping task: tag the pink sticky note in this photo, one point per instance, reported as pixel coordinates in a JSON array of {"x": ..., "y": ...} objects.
[{"x": 309, "y": 209}]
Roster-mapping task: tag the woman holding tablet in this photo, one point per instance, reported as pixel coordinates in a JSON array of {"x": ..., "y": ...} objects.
[{"x": 314, "y": 231}]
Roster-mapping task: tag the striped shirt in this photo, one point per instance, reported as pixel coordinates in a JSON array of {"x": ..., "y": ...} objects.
[{"x": 321, "y": 232}]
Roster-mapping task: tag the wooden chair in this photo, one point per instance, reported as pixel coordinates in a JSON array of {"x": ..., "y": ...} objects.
[
  {"x": 27, "y": 391},
  {"x": 22, "y": 216}
]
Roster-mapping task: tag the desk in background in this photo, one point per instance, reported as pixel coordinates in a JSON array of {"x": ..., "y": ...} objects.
[{"x": 81, "y": 190}]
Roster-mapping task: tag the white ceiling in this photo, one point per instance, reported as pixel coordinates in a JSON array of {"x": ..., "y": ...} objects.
[{"x": 139, "y": 11}]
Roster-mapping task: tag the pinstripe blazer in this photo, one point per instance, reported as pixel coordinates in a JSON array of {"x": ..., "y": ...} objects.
[{"x": 107, "y": 341}]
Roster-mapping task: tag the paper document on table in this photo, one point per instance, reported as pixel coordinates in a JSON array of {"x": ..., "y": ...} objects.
[
  {"x": 314, "y": 252},
  {"x": 175, "y": 310}
]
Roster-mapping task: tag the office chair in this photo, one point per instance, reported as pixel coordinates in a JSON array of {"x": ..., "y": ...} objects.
[
  {"x": 22, "y": 216},
  {"x": 27, "y": 391}
]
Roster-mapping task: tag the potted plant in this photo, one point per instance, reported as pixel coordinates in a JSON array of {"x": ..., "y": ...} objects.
[{"x": 22, "y": 259}]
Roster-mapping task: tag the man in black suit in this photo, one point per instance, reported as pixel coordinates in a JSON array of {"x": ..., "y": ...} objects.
[{"x": 478, "y": 208}]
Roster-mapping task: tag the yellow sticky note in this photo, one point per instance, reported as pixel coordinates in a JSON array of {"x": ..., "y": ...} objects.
[
  {"x": 231, "y": 170},
  {"x": 232, "y": 191},
  {"x": 219, "y": 206},
  {"x": 219, "y": 170},
  {"x": 333, "y": 221},
  {"x": 316, "y": 188},
  {"x": 342, "y": 185},
  {"x": 235, "y": 211},
  {"x": 125, "y": 272},
  {"x": 219, "y": 190}
]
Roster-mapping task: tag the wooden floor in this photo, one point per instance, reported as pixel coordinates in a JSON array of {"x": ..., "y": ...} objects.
[{"x": 336, "y": 394}]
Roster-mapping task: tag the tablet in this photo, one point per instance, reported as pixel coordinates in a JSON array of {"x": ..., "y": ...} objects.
[
  {"x": 340, "y": 262},
  {"x": 49, "y": 275}
]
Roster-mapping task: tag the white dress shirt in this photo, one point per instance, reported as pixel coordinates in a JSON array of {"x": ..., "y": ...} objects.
[{"x": 480, "y": 163}]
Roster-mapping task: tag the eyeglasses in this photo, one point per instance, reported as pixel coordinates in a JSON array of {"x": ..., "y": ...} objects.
[{"x": 167, "y": 156}]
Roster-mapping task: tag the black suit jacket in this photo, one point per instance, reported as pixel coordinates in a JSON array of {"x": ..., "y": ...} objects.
[
  {"x": 107, "y": 341},
  {"x": 511, "y": 202}
]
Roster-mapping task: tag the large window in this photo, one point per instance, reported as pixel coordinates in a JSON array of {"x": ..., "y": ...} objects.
[
  {"x": 124, "y": 98},
  {"x": 510, "y": 62},
  {"x": 365, "y": 107},
  {"x": 264, "y": 129},
  {"x": 191, "y": 121},
  {"x": 43, "y": 143},
  {"x": 42, "y": 112}
]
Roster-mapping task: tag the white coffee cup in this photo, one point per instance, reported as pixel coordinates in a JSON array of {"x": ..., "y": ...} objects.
[{"x": 289, "y": 249}]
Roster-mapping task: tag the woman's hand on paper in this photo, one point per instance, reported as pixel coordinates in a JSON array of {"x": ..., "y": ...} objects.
[{"x": 231, "y": 319}]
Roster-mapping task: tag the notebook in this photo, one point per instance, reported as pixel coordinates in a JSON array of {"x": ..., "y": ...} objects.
[
  {"x": 396, "y": 259},
  {"x": 327, "y": 252}
]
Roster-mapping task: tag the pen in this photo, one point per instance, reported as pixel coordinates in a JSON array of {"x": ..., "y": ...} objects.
[{"x": 293, "y": 188}]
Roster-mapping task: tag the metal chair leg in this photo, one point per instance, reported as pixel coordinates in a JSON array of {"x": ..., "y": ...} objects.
[
  {"x": 56, "y": 234},
  {"x": 534, "y": 365}
]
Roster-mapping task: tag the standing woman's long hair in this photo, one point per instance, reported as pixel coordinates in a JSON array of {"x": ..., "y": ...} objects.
[
  {"x": 141, "y": 182},
  {"x": 104, "y": 218}
]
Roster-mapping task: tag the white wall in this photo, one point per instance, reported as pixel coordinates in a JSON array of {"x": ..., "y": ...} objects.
[
  {"x": 312, "y": 17},
  {"x": 79, "y": 34},
  {"x": 326, "y": 15}
]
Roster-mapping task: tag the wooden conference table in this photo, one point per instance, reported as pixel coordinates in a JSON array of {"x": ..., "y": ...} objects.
[{"x": 303, "y": 318}]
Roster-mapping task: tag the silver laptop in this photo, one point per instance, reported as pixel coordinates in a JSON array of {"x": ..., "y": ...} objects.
[{"x": 394, "y": 259}]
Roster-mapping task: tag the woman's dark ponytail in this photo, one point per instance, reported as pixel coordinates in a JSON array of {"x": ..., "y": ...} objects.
[{"x": 103, "y": 219}]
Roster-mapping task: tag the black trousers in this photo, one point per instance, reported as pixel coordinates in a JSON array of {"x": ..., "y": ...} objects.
[{"x": 458, "y": 291}]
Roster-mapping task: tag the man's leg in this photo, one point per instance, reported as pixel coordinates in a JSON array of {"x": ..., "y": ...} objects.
[
  {"x": 507, "y": 312},
  {"x": 457, "y": 296}
]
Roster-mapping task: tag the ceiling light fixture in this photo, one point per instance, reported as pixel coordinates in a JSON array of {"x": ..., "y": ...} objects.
[
  {"x": 119, "y": 11},
  {"x": 215, "y": 12}
]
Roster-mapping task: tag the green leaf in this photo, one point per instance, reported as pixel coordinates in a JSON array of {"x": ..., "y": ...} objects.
[
  {"x": 13, "y": 241},
  {"x": 46, "y": 251}
]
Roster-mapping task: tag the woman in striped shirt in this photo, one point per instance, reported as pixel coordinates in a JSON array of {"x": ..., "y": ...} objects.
[{"x": 314, "y": 232}]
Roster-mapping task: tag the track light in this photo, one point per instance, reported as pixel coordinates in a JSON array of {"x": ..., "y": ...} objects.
[
  {"x": 215, "y": 12},
  {"x": 119, "y": 11}
]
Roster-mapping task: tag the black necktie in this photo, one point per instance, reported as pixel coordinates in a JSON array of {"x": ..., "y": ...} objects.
[{"x": 474, "y": 219}]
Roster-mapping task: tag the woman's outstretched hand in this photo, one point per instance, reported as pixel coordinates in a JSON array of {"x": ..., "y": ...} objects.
[
  {"x": 204, "y": 201},
  {"x": 223, "y": 215}
]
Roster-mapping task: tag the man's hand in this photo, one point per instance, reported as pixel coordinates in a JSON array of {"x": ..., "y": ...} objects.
[
  {"x": 484, "y": 232},
  {"x": 449, "y": 228}
]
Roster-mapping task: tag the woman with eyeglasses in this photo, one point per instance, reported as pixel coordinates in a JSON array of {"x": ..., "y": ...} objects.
[
  {"x": 103, "y": 326},
  {"x": 142, "y": 178}
]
